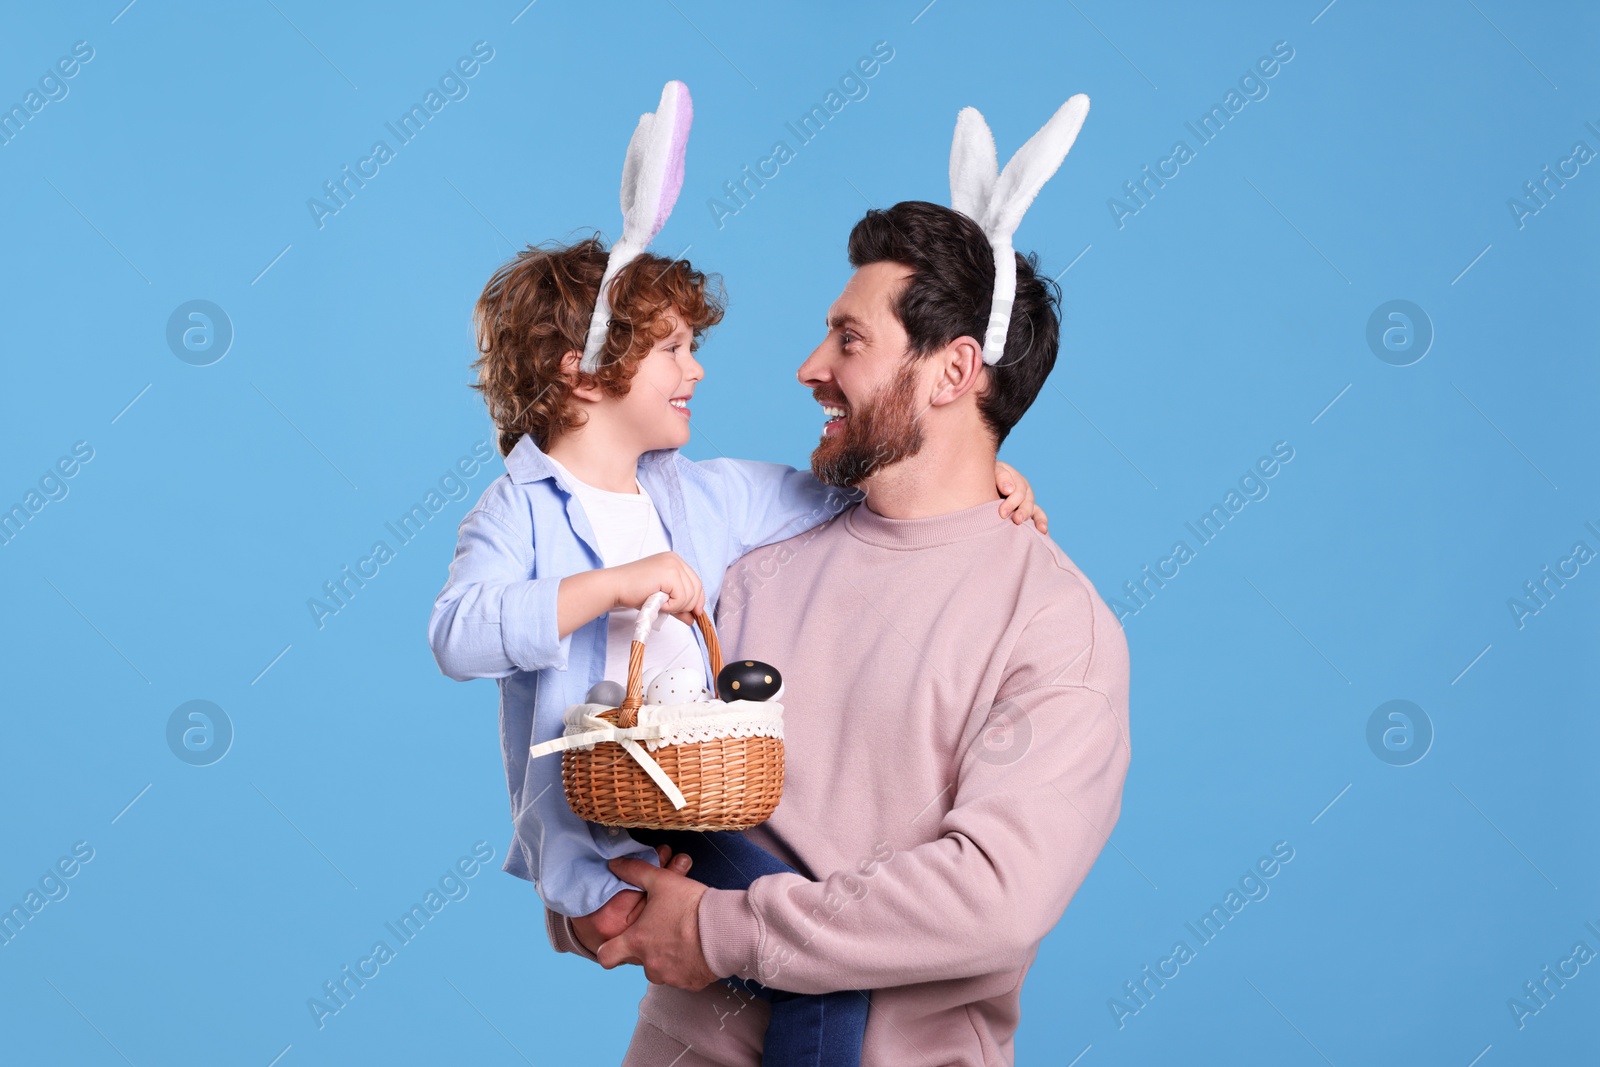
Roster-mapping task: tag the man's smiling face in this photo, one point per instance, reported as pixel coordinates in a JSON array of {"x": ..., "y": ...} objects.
[{"x": 869, "y": 389}]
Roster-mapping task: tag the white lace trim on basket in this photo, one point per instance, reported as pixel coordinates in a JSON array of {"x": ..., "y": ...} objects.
[{"x": 691, "y": 723}]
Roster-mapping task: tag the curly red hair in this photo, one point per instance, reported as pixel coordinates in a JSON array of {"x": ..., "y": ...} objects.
[{"x": 536, "y": 309}]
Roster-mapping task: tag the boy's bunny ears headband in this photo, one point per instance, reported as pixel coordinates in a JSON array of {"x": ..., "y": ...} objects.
[
  {"x": 652, "y": 175},
  {"x": 996, "y": 200}
]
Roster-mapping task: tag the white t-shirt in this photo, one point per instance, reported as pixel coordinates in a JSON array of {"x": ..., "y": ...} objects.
[{"x": 628, "y": 528}]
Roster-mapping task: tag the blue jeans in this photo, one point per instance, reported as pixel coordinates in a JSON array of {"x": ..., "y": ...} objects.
[{"x": 810, "y": 1029}]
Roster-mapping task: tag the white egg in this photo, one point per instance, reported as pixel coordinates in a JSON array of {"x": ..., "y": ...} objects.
[{"x": 677, "y": 685}]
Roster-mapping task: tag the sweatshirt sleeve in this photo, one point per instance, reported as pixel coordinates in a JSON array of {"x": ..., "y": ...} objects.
[
  {"x": 769, "y": 502},
  {"x": 1019, "y": 837},
  {"x": 493, "y": 618},
  {"x": 563, "y": 938}
]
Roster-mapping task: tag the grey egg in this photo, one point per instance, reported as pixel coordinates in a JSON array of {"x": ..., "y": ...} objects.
[{"x": 607, "y": 692}]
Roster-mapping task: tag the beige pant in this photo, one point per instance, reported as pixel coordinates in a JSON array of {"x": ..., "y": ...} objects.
[{"x": 652, "y": 1047}]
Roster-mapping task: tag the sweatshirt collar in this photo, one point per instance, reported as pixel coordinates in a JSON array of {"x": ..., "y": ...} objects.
[{"x": 867, "y": 525}]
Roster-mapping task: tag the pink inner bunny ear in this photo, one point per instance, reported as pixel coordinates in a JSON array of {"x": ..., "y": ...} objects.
[{"x": 677, "y": 110}]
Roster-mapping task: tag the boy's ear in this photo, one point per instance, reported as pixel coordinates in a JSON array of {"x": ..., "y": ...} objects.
[{"x": 570, "y": 371}]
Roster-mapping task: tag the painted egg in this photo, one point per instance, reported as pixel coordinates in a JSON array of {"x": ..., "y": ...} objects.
[
  {"x": 749, "y": 679},
  {"x": 677, "y": 685},
  {"x": 609, "y": 693}
]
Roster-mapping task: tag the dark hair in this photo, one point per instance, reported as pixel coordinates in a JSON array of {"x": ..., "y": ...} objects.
[
  {"x": 948, "y": 296},
  {"x": 536, "y": 309}
]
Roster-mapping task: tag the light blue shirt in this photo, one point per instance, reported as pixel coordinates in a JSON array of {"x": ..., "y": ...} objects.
[{"x": 496, "y": 618}]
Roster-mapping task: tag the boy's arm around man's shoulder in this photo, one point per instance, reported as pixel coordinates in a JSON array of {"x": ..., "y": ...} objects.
[
  {"x": 493, "y": 617},
  {"x": 764, "y": 503}
]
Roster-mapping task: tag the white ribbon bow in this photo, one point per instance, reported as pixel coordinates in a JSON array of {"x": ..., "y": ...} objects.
[{"x": 598, "y": 730}]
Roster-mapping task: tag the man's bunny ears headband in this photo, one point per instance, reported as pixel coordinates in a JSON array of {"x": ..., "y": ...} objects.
[
  {"x": 996, "y": 200},
  {"x": 652, "y": 175}
]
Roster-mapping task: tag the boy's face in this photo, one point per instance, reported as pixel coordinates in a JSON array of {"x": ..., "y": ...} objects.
[{"x": 656, "y": 408}]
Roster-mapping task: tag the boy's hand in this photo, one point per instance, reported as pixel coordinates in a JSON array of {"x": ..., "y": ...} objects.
[
  {"x": 1018, "y": 502},
  {"x": 664, "y": 572},
  {"x": 619, "y": 913},
  {"x": 613, "y": 917}
]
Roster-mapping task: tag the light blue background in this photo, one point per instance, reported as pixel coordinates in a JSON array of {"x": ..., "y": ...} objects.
[{"x": 1223, "y": 317}]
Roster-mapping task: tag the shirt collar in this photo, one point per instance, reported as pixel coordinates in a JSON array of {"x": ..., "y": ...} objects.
[{"x": 527, "y": 462}]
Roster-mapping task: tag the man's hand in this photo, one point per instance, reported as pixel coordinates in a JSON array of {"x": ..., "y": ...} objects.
[
  {"x": 622, "y": 910},
  {"x": 665, "y": 938}
]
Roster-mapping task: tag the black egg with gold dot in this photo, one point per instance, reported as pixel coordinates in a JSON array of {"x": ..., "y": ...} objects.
[{"x": 748, "y": 679}]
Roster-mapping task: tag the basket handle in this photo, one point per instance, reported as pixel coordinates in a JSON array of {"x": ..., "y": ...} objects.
[{"x": 628, "y": 714}]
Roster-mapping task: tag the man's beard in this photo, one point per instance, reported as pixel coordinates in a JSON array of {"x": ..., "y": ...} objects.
[{"x": 882, "y": 431}]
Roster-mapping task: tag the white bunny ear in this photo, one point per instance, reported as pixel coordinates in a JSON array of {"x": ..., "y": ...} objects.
[
  {"x": 653, "y": 173},
  {"x": 633, "y": 166},
  {"x": 1033, "y": 165},
  {"x": 973, "y": 165},
  {"x": 652, "y": 176},
  {"x": 997, "y": 204}
]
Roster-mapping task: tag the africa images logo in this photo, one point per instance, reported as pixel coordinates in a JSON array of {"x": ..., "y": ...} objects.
[{"x": 452, "y": 86}]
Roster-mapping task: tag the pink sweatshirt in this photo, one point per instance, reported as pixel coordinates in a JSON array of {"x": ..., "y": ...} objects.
[{"x": 956, "y": 735}]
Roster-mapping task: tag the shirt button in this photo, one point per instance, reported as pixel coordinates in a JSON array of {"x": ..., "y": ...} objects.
[{"x": 612, "y": 831}]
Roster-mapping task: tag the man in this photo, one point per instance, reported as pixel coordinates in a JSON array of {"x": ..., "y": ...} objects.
[{"x": 956, "y": 695}]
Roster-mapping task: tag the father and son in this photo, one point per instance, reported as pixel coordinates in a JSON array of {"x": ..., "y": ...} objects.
[{"x": 955, "y": 691}]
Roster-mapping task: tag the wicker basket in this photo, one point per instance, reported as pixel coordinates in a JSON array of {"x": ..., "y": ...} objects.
[{"x": 727, "y": 783}]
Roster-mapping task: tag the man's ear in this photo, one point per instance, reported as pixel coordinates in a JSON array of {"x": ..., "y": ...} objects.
[
  {"x": 961, "y": 370},
  {"x": 570, "y": 371}
]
